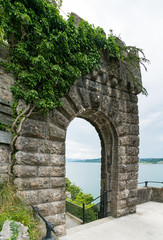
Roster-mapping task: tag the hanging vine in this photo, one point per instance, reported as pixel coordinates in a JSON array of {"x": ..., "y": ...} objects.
[{"x": 48, "y": 53}]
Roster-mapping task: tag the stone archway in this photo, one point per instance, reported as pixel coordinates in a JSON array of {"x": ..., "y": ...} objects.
[{"x": 110, "y": 104}]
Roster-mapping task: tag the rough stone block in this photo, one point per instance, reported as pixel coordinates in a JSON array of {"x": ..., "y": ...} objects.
[
  {"x": 25, "y": 171},
  {"x": 132, "y": 151},
  {"x": 132, "y": 192},
  {"x": 84, "y": 94},
  {"x": 132, "y": 184},
  {"x": 51, "y": 171},
  {"x": 123, "y": 194},
  {"x": 128, "y": 168},
  {"x": 122, "y": 212},
  {"x": 67, "y": 108},
  {"x": 25, "y": 158},
  {"x": 55, "y": 133},
  {"x": 27, "y": 144},
  {"x": 57, "y": 219},
  {"x": 95, "y": 100},
  {"x": 60, "y": 230},
  {"x": 75, "y": 97},
  {"x": 56, "y": 160},
  {"x": 31, "y": 183},
  {"x": 33, "y": 128},
  {"x": 51, "y": 147},
  {"x": 4, "y": 153},
  {"x": 56, "y": 182},
  {"x": 59, "y": 119},
  {"x": 132, "y": 107},
  {"x": 132, "y": 141},
  {"x": 6, "y": 95},
  {"x": 5, "y": 137},
  {"x": 122, "y": 185},
  {"x": 131, "y": 202},
  {"x": 49, "y": 209},
  {"x": 121, "y": 204},
  {"x": 31, "y": 197},
  {"x": 51, "y": 195},
  {"x": 128, "y": 159}
]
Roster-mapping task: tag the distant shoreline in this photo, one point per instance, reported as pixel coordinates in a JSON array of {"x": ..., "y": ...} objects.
[{"x": 98, "y": 160}]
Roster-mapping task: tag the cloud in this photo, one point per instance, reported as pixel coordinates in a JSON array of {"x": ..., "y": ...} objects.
[{"x": 82, "y": 140}]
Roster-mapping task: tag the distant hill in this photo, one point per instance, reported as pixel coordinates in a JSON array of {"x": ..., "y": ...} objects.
[
  {"x": 83, "y": 160},
  {"x": 141, "y": 160},
  {"x": 151, "y": 160}
]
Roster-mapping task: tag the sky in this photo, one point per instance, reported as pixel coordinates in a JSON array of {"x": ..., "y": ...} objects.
[{"x": 138, "y": 23}]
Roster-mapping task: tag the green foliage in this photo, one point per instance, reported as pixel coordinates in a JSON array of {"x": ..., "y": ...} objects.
[
  {"x": 13, "y": 208},
  {"x": 14, "y": 229},
  {"x": 5, "y": 127},
  {"x": 72, "y": 188},
  {"x": 75, "y": 204},
  {"x": 48, "y": 53}
]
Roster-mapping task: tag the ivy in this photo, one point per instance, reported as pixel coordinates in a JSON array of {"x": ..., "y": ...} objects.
[{"x": 49, "y": 53}]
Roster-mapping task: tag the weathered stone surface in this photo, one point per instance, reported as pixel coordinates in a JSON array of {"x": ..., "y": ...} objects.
[
  {"x": 128, "y": 168},
  {"x": 33, "y": 128},
  {"x": 54, "y": 133},
  {"x": 31, "y": 183},
  {"x": 56, "y": 182},
  {"x": 128, "y": 176},
  {"x": 52, "y": 208},
  {"x": 57, "y": 219},
  {"x": 25, "y": 171},
  {"x": 128, "y": 159},
  {"x": 59, "y": 119},
  {"x": 25, "y": 158},
  {"x": 5, "y": 119},
  {"x": 6, "y": 95},
  {"x": 60, "y": 230},
  {"x": 51, "y": 195},
  {"x": 52, "y": 147},
  {"x": 122, "y": 212},
  {"x": 56, "y": 160},
  {"x": 123, "y": 194},
  {"x": 5, "y": 137},
  {"x": 121, "y": 204},
  {"x": 36, "y": 159},
  {"x": 7, "y": 233},
  {"x": 75, "y": 97},
  {"x": 31, "y": 197},
  {"x": 4, "y": 152},
  {"x": 51, "y": 171},
  {"x": 131, "y": 202},
  {"x": 67, "y": 108},
  {"x": 157, "y": 194},
  {"x": 122, "y": 185},
  {"x": 129, "y": 141},
  {"x": 132, "y": 184},
  {"x": 27, "y": 144}
]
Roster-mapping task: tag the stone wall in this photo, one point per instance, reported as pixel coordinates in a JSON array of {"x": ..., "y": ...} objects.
[
  {"x": 6, "y": 81},
  {"x": 108, "y": 100},
  {"x": 146, "y": 194}
]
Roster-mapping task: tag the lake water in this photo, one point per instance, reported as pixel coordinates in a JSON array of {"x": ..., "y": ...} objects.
[{"x": 87, "y": 175}]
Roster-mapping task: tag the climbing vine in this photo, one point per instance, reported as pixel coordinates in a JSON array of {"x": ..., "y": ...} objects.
[{"x": 48, "y": 53}]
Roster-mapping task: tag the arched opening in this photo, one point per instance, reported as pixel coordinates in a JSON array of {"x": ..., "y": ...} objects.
[
  {"x": 109, "y": 159},
  {"x": 83, "y": 156}
]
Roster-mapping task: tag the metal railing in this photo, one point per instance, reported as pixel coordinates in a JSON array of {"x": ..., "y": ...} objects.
[
  {"x": 49, "y": 226},
  {"x": 146, "y": 183},
  {"x": 86, "y": 213}
]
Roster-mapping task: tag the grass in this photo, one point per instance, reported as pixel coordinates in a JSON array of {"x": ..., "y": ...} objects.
[{"x": 14, "y": 208}]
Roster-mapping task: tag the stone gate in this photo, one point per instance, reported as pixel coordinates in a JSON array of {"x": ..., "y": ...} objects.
[{"x": 107, "y": 99}]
